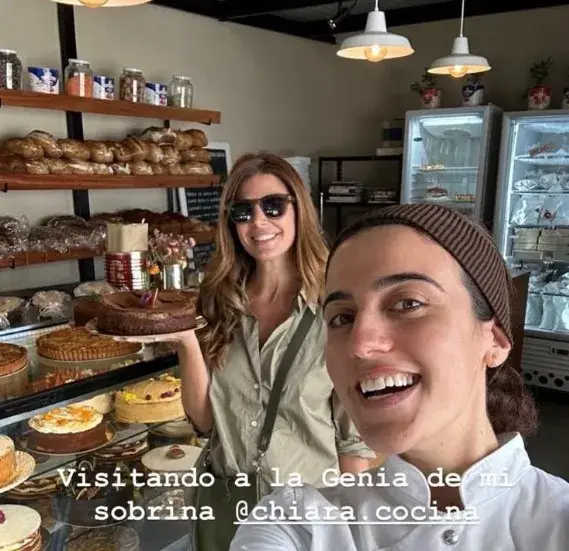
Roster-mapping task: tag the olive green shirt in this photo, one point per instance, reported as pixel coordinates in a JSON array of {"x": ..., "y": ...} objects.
[{"x": 311, "y": 428}]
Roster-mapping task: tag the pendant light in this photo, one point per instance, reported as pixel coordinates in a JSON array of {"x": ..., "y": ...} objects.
[
  {"x": 460, "y": 62},
  {"x": 103, "y": 3},
  {"x": 375, "y": 43}
]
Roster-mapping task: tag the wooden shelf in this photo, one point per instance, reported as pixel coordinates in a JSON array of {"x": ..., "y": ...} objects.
[
  {"x": 116, "y": 108},
  {"x": 47, "y": 257},
  {"x": 15, "y": 182}
]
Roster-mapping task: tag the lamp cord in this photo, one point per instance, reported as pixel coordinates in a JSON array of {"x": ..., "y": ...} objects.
[{"x": 461, "y": 17}]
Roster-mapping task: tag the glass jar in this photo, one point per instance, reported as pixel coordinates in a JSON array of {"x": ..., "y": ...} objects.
[
  {"x": 132, "y": 86},
  {"x": 10, "y": 70},
  {"x": 181, "y": 92},
  {"x": 79, "y": 78}
]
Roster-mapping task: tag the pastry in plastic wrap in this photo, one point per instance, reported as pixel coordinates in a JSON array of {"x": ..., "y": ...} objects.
[
  {"x": 159, "y": 169},
  {"x": 121, "y": 153},
  {"x": 171, "y": 155},
  {"x": 37, "y": 166},
  {"x": 90, "y": 288},
  {"x": 160, "y": 136},
  {"x": 175, "y": 170},
  {"x": 199, "y": 138},
  {"x": 52, "y": 304},
  {"x": 42, "y": 238},
  {"x": 74, "y": 150},
  {"x": 100, "y": 151},
  {"x": 48, "y": 143},
  {"x": 58, "y": 166},
  {"x": 140, "y": 168},
  {"x": 121, "y": 169},
  {"x": 11, "y": 310},
  {"x": 197, "y": 168},
  {"x": 138, "y": 148},
  {"x": 13, "y": 234},
  {"x": 101, "y": 169},
  {"x": 195, "y": 155},
  {"x": 183, "y": 141},
  {"x": 65, "y": 220},
  {"x": 155, "y": 153},
  {"x": 26, "y": 148},
  {"x": 80, "y": 167},
  {"x": 12, "y": 164}
]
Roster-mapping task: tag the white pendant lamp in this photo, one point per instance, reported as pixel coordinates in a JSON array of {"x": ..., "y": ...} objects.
[
  {"x": 103, "y": 3},
  {"x": 460, "y": 62},
  {"x": 375, "y": 44}
]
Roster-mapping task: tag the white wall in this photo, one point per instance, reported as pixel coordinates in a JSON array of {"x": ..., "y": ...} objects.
[{"x": 275, "y": 92}]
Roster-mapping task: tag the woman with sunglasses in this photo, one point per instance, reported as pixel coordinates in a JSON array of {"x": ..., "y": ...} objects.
[
  {"x": 267, "y": 269},
  {"x": 419, "y": 333}
]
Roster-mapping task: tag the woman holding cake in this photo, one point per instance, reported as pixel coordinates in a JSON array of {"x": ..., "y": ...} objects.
[
  {"x": 419, "y": 294},
  {"x": 267, "y": 270}
]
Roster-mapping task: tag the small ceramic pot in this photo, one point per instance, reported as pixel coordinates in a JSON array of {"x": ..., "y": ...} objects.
[
  {"x": 431, "y": 98},
  {"x": 472, "y": 95},
  {"x": 565, "y": 100},
  {"x": 539, "y": 98}
]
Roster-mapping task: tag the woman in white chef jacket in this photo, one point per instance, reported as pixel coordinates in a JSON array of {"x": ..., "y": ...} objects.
[{"x": 419, "y": 334}]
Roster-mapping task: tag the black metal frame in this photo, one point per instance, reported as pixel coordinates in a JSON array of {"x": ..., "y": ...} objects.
[{"x": 265, "y": 14}]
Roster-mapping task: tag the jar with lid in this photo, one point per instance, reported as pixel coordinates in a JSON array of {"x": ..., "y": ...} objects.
[
  {"x": 10, "y": 70},
  {"x": 79, "y": 78},
  {"x": 132, "y": 85},
  {"x": 181, "y": 92}
]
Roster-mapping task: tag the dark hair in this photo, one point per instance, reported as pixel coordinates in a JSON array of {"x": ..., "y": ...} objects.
[{"x": 509, "y": 406}]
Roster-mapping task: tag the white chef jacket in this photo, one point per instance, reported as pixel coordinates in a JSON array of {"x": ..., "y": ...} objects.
[{"x": 522, "y": 509}]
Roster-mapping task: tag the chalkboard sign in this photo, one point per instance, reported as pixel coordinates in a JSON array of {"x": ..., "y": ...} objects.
[
  {"x": 203, "y": 203},
  {"x": 202, "y": 253}
]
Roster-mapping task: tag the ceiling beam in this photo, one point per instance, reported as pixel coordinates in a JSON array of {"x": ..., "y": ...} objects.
[
  {"x": 239, "y": 9},
  {"x": 432, "y": 12}
]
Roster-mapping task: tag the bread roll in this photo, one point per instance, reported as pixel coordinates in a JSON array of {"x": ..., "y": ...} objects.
[
  {"x": 101, "y": 169},
  {"x": 158, "y": 169},
  {"x": 198, "y": 137},
  {"x": 48, "y": 143},
  {"x": 37, "y": 166},
  {"x": 121, "y": 153},
  {"x": 171, "y": 155},
  {"x": 155, "y": 153},
  {"x": 175, "y": 170},
  {"x": 160, "y": 136},
  {"x": 140, "y": 168},
  {"x": 120, "y": 168},
  {"x": 24, "y": 147},
  {"x": 74, "y": 150},
  {"x": 137, "y": 147},
  {"x": 183, "y": 141},
  {"x": 100, "y": 152},
  {"x": 197, "y": 168},
  {"x": 78, "y": 166},
  {"x": 196, "y": 155},
  {"x": 58, "y": 166},
  {"x": 12, "y": 164}
]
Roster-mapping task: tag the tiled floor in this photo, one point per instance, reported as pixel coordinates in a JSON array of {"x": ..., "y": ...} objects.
[{"x": 549, "y": 448}]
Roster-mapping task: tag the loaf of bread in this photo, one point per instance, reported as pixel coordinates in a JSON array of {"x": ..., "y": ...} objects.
[
  {"x": 196, "y": 155},
  {"x": 121, "y": 153},
  {"x": 196, "y": 168},
  {"x": 183, "y": 141},
  {"x": 171, "y": 155},
  {"x": 37, "y": 166},
  {"x": 199, "y": 138},
  {"x": 160, "y": 136},
  {"x": 100, "y": 152},
  {"x": 137, "y": 147},
  {"x": 80, "y": 167},
  {"x": 140, "y": 168},
  {"x": 175, "y": 170},
  {"x": 101, "y": 169},
  {"x": 58, "y": 166},
  {"x": 158, "y": 169},
  {"x": 11, "y": 163},
  {"x": 155, "y": 153},
  {"x": 121, "y": 169},
  {"x": 27, "y": 148},
  {"x": 74, "y": 150},
  {"x": 47, "y": 142}
]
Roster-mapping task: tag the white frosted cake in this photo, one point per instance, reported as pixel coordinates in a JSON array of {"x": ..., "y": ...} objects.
[{"x": 19, "y": 528}]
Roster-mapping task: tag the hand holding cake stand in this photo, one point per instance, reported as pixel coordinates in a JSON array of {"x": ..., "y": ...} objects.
[{"x": 150, "y": 317}]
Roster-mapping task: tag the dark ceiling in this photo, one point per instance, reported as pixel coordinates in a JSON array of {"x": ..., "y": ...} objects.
[{"x": 310, "y": 18}]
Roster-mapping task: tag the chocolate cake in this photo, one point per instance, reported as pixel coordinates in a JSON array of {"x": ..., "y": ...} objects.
[
  {"x": 69, "y": 429},
  {"x": 137, "y": 313},
  {"x": 76, "y": 503},
  {"x": 85, "y": 309}
]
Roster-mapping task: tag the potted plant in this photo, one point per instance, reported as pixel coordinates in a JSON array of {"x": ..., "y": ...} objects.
[
  {"x": 473, "y": 90},
  {"x": 539, "y": 96},
  {"x": 427, "y": 88}
]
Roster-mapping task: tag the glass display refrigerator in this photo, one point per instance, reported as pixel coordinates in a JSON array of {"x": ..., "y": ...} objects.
[
  {"x": 451, "y": 157},
  {"x": 531, "y": 227}
]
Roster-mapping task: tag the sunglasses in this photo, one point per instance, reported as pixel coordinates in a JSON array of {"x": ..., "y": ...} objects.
[{"x": 273, "y": 206}]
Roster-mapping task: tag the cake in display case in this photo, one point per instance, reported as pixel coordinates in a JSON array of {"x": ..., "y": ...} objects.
[{"x": 89, "y": 406}]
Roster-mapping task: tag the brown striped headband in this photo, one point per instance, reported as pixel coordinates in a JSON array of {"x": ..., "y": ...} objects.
[{"x": 467, "y": 241}]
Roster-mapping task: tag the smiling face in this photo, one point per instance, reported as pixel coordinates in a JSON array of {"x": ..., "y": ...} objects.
[
  {"x": 264, "y": 237},
  {"x": 405, "y": 351}
]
